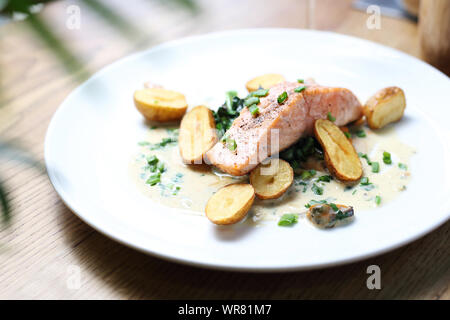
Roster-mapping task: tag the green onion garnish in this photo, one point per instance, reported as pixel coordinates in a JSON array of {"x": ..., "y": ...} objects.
[
  {"x": 365, "y": 156},
  {"x": 325, "y": 178},
  {"x": 299, "y": 89},
  {"x": 300, "y": 81},
  {"x": 288, "y": 219},
  {"x": 378, "y": 200},
  {"x": 317, "y": 190},
  {"x": 229, "y": 99},
  {"x": 387, "y": 157},
  {"x": 348, "y": 135},
  {"x": 231, "y": 144},
  {"x": 254, "y": 110},
  {"x": 403, "y": 166},
  {"x": 375, "y": 167},
  {"x": 250, "y": 101},
  {"x": 365, "y": 181},
  {"x": 334, "y": 207},
  {"x": 154, "y": 179},
  {"x": 360, "y": 133},
  {"x": 307, "y": 174},
  {"x": 313, "y": 202},
  {"x": 282, "y": 97},
  {"x": 152, "y": 160},
  {"x": 260, "y": 93},
  {"x": 330, "y": 117}
]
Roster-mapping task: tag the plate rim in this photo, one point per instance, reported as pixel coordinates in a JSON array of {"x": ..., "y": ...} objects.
[{"x": 186, "y": 260}]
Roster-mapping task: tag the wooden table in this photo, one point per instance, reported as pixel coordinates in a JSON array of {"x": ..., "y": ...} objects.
[{"x": 41, "y": 253}]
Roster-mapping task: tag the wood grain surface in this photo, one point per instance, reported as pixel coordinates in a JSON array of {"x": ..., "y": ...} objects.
[{"x": 47, "y": 245}]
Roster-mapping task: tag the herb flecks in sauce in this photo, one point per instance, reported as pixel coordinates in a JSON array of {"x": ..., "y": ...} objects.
[{"x": 194, "y": 189}]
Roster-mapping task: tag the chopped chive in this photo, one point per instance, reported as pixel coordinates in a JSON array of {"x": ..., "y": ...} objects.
[
  {"x": 343, "y": 215},
  {"x": 378, "y": 200},
  {"x": 254, "y": 110},
  {"x": 317, "y": 190},
  {"x": 326, "y": 178},
  {"x": 330, "y": 117},
  {"x": 154, "y": 179},
  {"x": 334, "y": 207},
  {"x": 375, "y": 167},
  {"x": 353, "y": 193},
  {"x": 299, "y": 89},
  {"x": 403, "y": 166},
  {"x": 360, "y": 133},
  {"x": 313, "y": 202},
  {"x": 161, "y": 167},
  {"x": 387, "y": 157},
  {"x": 288, "y": 219},
  {"x": 260, "y": 93},
  {"x": 365, "y": 156},
  {"x": 231, "y": 144},
  {"x": 365, "y": 181},
  {"x": 152, "y": 160},
  {"x": 229, "y": 99},
  {"x": 348, "y": 135},
  {"x": 308, "y": 174},
  {"x": 250, "y": 101},
  {"x": 300, "y": 81},
  {"x": 282, "y": 97}
]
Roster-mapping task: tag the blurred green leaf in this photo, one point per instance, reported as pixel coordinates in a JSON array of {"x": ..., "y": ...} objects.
[
  {"x": 113, "y": 19},
  {"x": 5, "y": 204},
  {"x": 13, "y": 150}
]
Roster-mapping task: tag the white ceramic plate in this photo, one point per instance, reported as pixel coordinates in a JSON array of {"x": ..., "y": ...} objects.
[{"x": 94, "y": 133}]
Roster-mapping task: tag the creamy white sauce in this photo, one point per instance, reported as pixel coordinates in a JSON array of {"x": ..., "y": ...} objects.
[{"x": 197, "y": 183}]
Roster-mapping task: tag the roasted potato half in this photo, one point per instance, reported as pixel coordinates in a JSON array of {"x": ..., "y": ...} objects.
[
  {"x": 230, "y": 204},
  {"x": 340, "y": 155},
  {"x": 158, "y": 104},
  {"x": 266, "y": 81},
  {"x": 271, "y": 180},
  {"x": 386, "y": 106},
  {"x": 197, "y": 134}
]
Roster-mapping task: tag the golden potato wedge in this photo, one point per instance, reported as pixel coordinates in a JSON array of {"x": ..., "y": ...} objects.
[
  {"x": 158, "y": 104},
  {"x": 230, "y": 204},
  {"x": 266, "y": 81},
  {"x": 197, "y": 134},
  {"x": 272, "y": 183},
  {"x": 340, "y": 155},
  {"x": 384, "y": 107}
]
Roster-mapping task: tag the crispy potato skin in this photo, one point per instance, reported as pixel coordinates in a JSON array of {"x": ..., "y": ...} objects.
[
  {"x": 230, "y": 204},
  {"x": 265, "y": 81},
  {"x": 158, "y": 104},
  {"x": 384, "y": 107},
  {"x": 272, "y": 186},
  {"x": 197, "y": 134},
  {"x": 340, "y": 155}
]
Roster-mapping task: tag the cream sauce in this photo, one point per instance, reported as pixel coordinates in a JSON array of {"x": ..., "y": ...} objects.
[{"x": 197, "y": 183}]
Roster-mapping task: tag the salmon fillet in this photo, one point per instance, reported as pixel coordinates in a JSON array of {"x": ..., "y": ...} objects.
[{"x": 278, "y": 126}]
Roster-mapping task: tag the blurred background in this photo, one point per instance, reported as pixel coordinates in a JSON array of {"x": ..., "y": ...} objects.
[{"x": 47, "y": 48}]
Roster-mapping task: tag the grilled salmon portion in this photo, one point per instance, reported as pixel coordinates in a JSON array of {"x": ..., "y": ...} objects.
[{"x": 279, "y": 125}]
